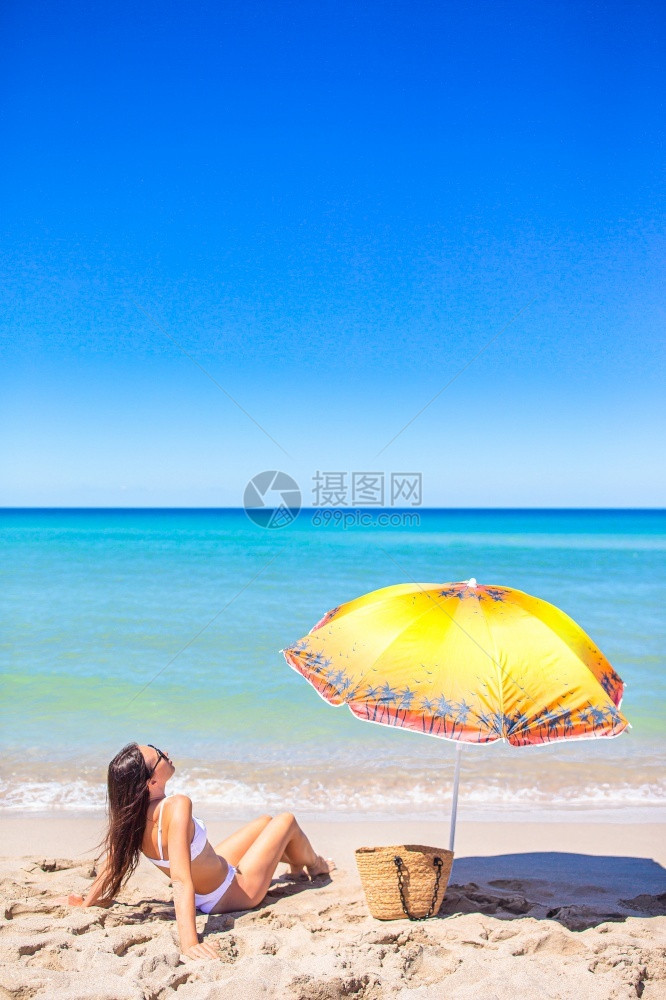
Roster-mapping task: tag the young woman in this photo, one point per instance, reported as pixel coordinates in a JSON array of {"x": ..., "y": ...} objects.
[{"x": 234, "y": 875}]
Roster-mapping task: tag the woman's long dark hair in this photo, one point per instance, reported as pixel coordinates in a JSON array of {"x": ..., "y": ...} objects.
[{"x": 127, "y": 798}]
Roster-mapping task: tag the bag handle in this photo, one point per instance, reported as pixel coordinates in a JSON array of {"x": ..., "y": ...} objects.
[{"x": 437, "y": 863}]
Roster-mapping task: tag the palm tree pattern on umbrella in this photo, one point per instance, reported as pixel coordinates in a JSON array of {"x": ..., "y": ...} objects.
[{"x": 524, "y": 672}]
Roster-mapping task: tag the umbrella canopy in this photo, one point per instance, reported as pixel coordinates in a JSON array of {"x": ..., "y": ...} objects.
[{"x": 462, "y": 661}]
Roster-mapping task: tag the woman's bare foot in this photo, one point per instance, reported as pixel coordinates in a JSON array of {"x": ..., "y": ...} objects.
[
  {"x": 321, "y": 866},
  {"x": 297, "y": 872}
]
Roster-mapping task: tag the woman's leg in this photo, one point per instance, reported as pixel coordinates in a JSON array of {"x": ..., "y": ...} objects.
[
  {"x": 233, "y": 848},
  {"x": 282, "y": 836}
]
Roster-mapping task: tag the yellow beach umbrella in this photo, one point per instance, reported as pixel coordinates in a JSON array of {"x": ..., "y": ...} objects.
[{"x": 464, "y": 662}]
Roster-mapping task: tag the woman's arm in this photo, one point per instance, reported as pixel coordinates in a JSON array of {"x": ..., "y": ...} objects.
[
  {"x": 93, "y": 896},
  {"x": 180, "y": 867}
]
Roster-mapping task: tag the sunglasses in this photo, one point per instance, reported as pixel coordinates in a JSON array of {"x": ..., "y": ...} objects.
[{"x": 160, "y": 756}]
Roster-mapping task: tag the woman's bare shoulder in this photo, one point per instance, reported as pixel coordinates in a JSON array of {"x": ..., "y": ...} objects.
[
  {"x": 179, "y": 806},
  {"x": 180, "y": 801}
]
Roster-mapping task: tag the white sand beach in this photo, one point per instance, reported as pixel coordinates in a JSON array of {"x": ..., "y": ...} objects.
[{"x": 554, "y": 910}]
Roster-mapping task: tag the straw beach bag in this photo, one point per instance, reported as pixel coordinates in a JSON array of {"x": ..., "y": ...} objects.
[{"x": 405, "y": 881}]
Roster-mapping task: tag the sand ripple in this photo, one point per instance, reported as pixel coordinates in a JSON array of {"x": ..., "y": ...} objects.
[{"x": 495, "y": 938}]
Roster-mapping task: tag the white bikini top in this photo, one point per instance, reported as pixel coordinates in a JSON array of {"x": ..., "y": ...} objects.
[{"x": 197, "y": 843}]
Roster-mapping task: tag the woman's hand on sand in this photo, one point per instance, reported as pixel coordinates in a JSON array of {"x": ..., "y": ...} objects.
[
  {"x": 71, "y": 900},
  {"x": 204, "y": 950}
]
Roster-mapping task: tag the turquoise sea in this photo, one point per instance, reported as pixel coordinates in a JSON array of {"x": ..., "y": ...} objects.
[{"x": 165, "y": 626}]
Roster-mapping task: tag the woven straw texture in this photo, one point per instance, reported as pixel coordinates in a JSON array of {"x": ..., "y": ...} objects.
[{"x": 379, "y": 878}]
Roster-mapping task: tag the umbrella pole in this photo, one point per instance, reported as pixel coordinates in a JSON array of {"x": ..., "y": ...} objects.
[{"x": 454, "y": 802}]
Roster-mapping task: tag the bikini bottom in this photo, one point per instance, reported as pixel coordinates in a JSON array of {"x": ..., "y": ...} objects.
[{"x": 206, "y": 902}]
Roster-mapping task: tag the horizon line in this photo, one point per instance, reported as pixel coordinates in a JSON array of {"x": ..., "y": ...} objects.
[{"x": 361, "y": 507}]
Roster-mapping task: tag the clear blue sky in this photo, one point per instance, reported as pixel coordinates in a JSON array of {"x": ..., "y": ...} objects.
[{"x": 332, "y": 207}]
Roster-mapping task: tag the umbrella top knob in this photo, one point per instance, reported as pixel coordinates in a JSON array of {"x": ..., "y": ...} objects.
[{"x": 471, "y": 582}]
